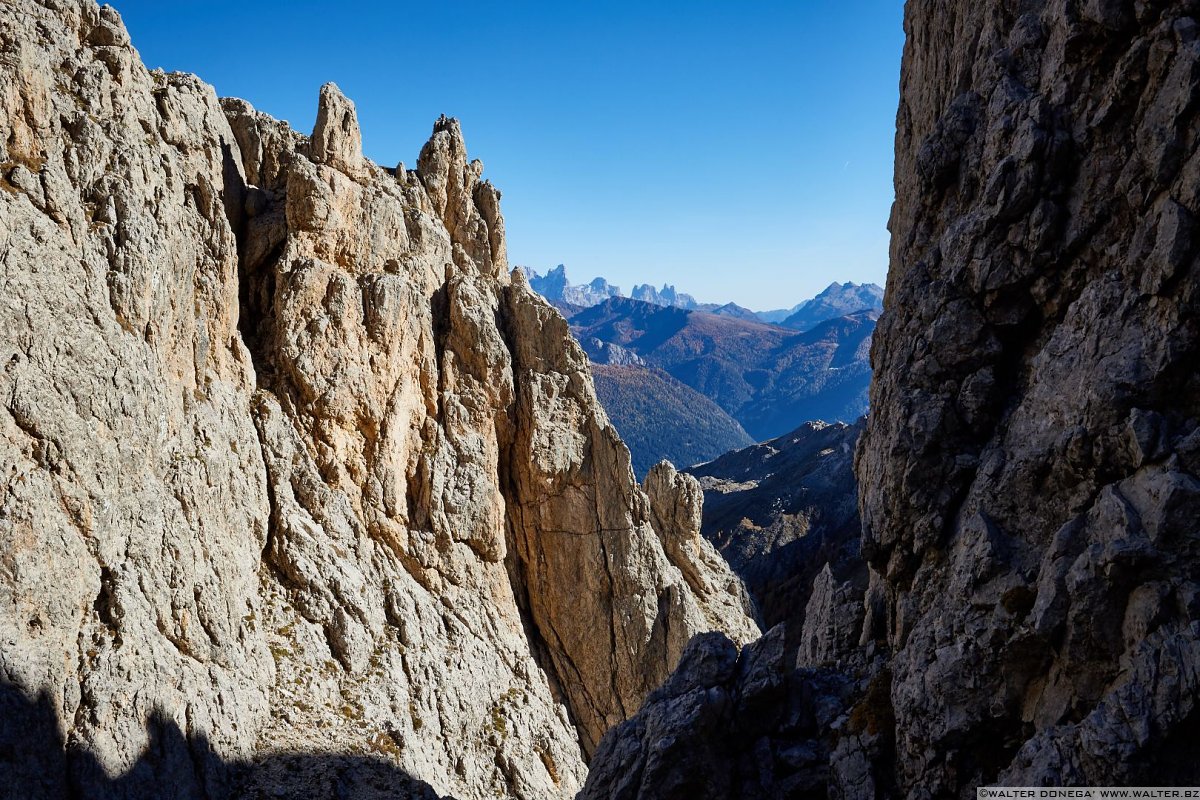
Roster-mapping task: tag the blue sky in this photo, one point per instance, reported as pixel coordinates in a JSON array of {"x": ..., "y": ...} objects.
[{"x": 739, "y": 150}]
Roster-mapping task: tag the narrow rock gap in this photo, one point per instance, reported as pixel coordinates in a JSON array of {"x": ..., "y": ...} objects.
[
  {"x": 439, "y": 306},
  {"x": 256, "y": 294}
]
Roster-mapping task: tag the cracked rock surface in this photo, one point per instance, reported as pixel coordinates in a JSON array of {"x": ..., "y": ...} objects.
[
  {"x": 1028, "y": 475},
  {"x": 781, "y": 510},
  {"x": 291, "y": 464}
]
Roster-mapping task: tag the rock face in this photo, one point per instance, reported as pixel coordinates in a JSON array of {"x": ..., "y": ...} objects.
[
  {"x": 609, "y": 354},
  {"x": 675, "y": 503},
  {"x": 1028, "y": 475},
  {"x": 802, "y": 712},
  {"x": 291, "y": 463},
  {"x": 1029, "y": 469},
  {"x": 730, "y": 725}
]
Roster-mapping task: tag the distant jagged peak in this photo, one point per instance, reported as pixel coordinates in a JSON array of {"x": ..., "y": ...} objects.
[
  {"x": 667, "y": 296},
  {"x": 866, "y": 289},
  {"x": 556, "y": 287},
  {"x": 836, "y": 300}
]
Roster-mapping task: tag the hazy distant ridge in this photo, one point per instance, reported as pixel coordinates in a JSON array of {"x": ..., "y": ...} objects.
[{"x": 838, "y": 299}]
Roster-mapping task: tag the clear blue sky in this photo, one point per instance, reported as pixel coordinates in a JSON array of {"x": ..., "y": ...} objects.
[{"x": 739, "y": 150}]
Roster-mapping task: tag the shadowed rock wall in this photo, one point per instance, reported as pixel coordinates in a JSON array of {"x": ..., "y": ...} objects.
[{"x": 1029, "y": 470}]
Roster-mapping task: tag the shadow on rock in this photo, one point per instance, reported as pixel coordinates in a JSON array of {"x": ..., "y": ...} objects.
[{"x": 36, "y": 763}]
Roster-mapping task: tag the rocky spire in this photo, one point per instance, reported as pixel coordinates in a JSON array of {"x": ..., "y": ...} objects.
[{"x": 336, "y": 138}]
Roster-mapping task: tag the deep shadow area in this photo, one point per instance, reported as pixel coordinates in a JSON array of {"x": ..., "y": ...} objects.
[{"x": 37, "y": 764}]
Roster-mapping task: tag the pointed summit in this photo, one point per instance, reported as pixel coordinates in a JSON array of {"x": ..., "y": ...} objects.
[
  {"x": 468, "y": 206},
  {"x": 336, "y": 138},
  {"x": 449, "y": 125}
]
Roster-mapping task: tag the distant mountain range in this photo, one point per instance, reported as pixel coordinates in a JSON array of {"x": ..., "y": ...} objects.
[
  {"x": 555, "y": 287},
  {"x": 687, "y": 381},
  {"x": 660, "y": 417},
  {"x": 836, "y": 300},
  {"x": 769, "y": 378}
]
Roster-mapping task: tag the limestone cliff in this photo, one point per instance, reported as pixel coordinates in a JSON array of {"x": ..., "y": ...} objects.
[
  {"x": 291, "y": 463},
  {"x": 1029, "y": 470}
]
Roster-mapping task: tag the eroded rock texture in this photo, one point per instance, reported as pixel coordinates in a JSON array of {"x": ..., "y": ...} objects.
[
  {"x": 753, "y": 724},
  {"x": 290, "y": 463},
  {"x": 1029, "y": 471}
]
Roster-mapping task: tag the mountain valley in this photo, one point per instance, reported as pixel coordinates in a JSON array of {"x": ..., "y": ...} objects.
[
  {"x": 769, "y": 378},
  {"x": 764, "y": 377}
]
